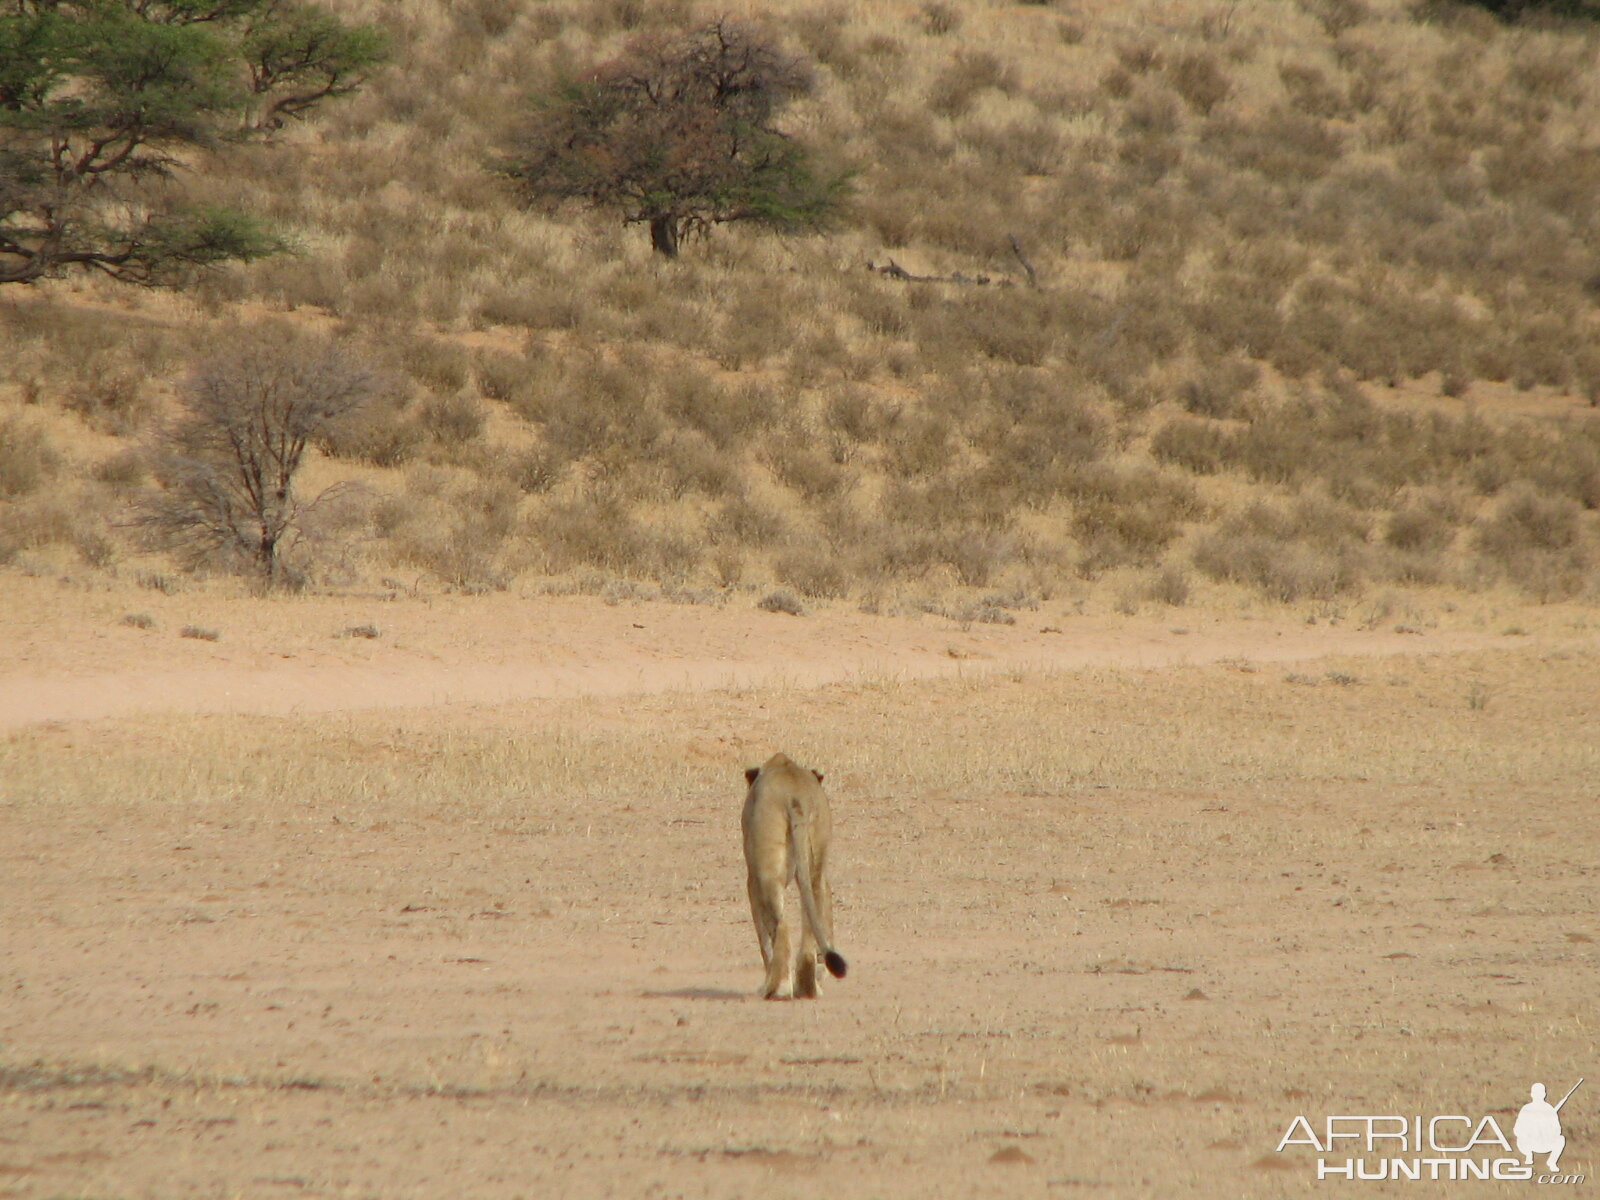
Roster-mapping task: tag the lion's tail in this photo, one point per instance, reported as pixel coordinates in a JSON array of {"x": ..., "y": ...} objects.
[{"x": 800, "y": 852}]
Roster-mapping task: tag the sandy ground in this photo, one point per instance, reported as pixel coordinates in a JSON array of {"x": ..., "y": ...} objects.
[
  {"x": 73, "y": 657},
  {"x": 459, "y": 910}
]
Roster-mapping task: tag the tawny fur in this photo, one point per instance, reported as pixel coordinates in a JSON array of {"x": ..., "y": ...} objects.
[{"x": 787, "y": 828}]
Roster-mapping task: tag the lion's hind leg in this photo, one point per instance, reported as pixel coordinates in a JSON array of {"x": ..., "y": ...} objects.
[
  {"x": 777, "y": 943},
  {"x": 805, "y": 980}
]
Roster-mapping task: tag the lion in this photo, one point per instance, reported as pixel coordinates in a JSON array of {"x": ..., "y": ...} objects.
[{"x": 787, "y": 827}]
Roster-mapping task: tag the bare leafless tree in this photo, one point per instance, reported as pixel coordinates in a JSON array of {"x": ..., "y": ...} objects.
[{"x": 226, "y": 465}]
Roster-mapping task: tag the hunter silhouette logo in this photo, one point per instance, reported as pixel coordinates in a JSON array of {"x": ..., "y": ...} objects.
[
  {"x": 1448, "y": 1146},
  {"x": 1538, "y": 1127}
]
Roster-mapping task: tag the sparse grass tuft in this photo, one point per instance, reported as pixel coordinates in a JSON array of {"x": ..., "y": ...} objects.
[{"x": 782, "y": 601}]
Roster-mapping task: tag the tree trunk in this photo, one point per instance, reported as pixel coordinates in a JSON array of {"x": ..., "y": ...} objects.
[{"x": 664, "y": 236}]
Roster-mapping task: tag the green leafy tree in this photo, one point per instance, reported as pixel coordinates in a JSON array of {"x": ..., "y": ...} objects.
[
  {"x": 1517, "y": 10},
  {"x": 103, "y": 102},
  {"x": 679, "y": 134}
]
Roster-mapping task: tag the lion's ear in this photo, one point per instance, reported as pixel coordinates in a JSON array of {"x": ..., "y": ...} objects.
[
  {"x": 750, "y": 774},
  {"x": 818, "y": 774}
]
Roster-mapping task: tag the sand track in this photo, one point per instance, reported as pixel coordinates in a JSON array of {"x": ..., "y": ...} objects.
[{"x": 297, "y": 656}]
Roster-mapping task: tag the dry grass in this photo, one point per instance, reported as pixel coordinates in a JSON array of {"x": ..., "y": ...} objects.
[
  {"x": 1245, "y": 236},
  {"x": 1325, "y": 853}
]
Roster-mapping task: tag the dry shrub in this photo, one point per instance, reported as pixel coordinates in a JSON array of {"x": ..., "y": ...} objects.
[
  {"x": 534, "y": 308},
  {"x": 746, "y": 522},
  {"x": 1337, "y": 16},
  {"x": 1537, "y": 542},
  {"x": 458, "y": 532},
  {"x": 976, "y": 552},
  {"x": 1312, "y": 91},
  {"x": 782, "y": 601},
  {"x": 501, "y": 375},
  {"x": 601, "y": 410},
  {"x": 72, "y": 516},
  {"x": 383, "y": 433},
  {"x": 1219, "y": 388},
  {"x": 453, "y": 420},
  {"x": 956, "y": 87},
  {"x": 1163, "y": 494},
  {"x": 812, "y": 571},
  {"x": 27, "y": 458},
  {"x": 808, "y": 469},
  {"x": 686, "y": 462},
  {"x": 1198, "y": 446},
  {"x": 437, "y": 365},
  {"x": 755, "y": 327},
  {"x": 919, "y": 445},
  {"x": 1169, "y": 585},
  {"x": 1200, "y": 80},
  {"x": 728, "y": 416},
  {"x": 113, "y": 402},
  {"x": 1267, "y": 549},
  {"x": 121, "y": 471},
  {"x": 595, "y": 530},
  {"x": 1116, "y": 534},
  {"x": 939, "y": 19},
  {"x": 1419, "y": 527}
]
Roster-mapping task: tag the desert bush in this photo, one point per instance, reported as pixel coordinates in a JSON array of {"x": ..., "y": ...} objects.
[
  {"x": 452, "y": 420},
  {"x": 1309, "y": 551},
  {"x": 1279, "y": 571},
  {"x": 383, "y": 433},
  {"x": 1198, "y": 446},
  {"x": 437, "y": 365},
  {"x": 939, "y": 19},
  {"x": 500, "y": 375},
  {"x": 1528, "y": 522},
  {"x": 746, "y": 522},
  {"x": 1537, "y": 542},
  {"x": 812, "y": 571},
  {"x": 1165, "y": 495},
  {"x": 28, "y": 459},
  {"x": 726, "y": 415},
  {"x": 43, "y": 519},
  {"x": 1420, "y": 527},
  {"x": 600, "y": 409},
  {"x": 808, "y": 469},
  {"x": 954, "y": 89},
  {"x": 1219, "y": 388},
  {"x": 1312, "y": 91},
  {"x": 113, "y": 402},
  {"x": 1120, "y": 533},
  {"x": 782, "y": 601},
  {"x": 123, "y": 470},
  {"x": 977, "y": 552},
  {"x": 227, "y": 465},
  {"x": 1200, "y": 80},
  {"x": 1169, "y": 586},
  {"x": 594, "y": 530}
]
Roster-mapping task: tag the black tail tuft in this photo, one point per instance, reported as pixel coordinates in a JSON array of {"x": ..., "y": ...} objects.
[{"x": 835, "y": 963}]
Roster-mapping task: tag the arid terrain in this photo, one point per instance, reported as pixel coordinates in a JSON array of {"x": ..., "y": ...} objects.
[
  {"x": 458, "y": 910},
  {"x": 1160, "y": 488}
]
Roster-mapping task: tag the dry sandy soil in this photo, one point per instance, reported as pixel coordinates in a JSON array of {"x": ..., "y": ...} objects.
[{"x": 458, "y": 910}]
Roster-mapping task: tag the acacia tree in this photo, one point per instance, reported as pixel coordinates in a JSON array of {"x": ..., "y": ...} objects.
[
  {"x": 102, "y": 101},
  {"x": 679, "y": 134},
  {"x": 227, "y": 464}
]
